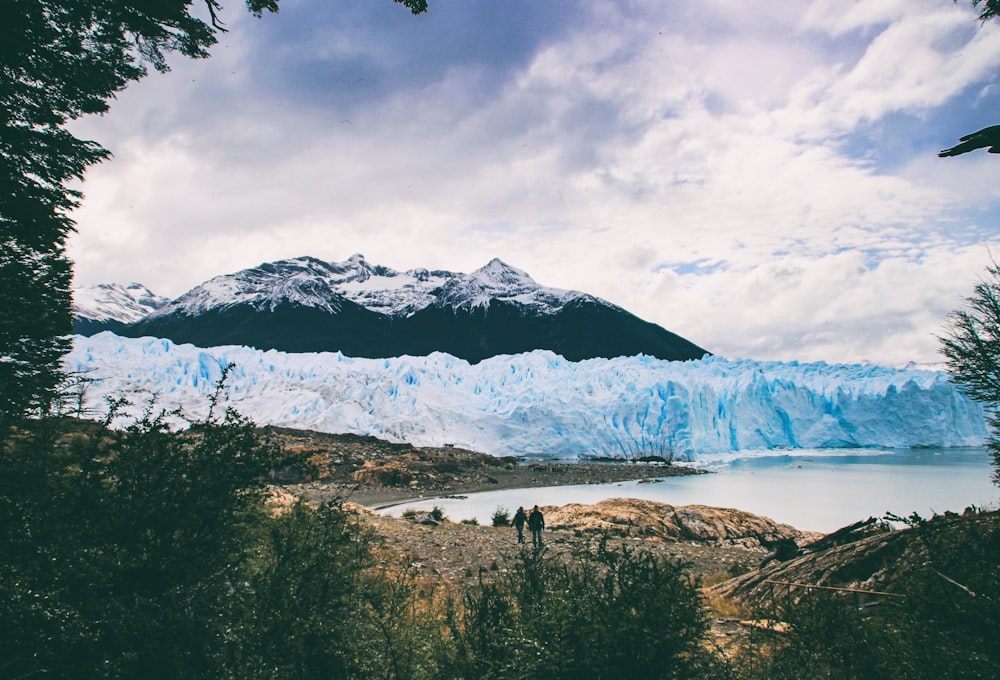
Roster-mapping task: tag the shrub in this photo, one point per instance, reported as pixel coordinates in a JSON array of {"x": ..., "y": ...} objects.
[
  {"x": 941, "y": 626},
  {"x": 145, "y": 552},
  {"x": 120, "y": 548},
  {"x": 608, "y": 613},
  {"x": 501, "y": 518}
]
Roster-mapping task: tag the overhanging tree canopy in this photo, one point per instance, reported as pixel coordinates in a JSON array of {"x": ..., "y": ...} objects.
[
  {"x": 989, "y": 137},
  {"x": 60, "y": 60},
  {"x": 989, "y": 9}
]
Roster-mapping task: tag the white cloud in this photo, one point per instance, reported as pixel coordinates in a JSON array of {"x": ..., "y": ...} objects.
[
  {"x": 917, "y": 62},
  {"x": 837, "y": 307},
  {"x": 693, "y": 165},
  {"x": 838, "y": 17}
]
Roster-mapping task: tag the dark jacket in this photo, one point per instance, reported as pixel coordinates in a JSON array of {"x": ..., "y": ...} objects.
[
  {"x": 536, "y": 520},
  {"x": 520, "y": 518}
]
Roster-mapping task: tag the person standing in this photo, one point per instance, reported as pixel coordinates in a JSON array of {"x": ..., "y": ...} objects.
[
  {"x": 519, "y": 519},
  {"x": 536, "y": 522}
]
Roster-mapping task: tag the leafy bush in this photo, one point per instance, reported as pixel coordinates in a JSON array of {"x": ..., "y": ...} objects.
[
  {"x": 314, "y": 606},
  {"x": 124, "y": 545},
  {"x": 942, "y": 626},
  {"x": 145, "y": 552},
  {"x": 501, "y": 518},
  {"x": 609, "y": 613}
]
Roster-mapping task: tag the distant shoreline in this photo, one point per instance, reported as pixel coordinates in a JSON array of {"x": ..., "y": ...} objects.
[{"x": 520, "y": 477}]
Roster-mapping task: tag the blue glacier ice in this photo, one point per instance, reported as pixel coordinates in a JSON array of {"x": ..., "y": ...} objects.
[{"x": 540, "y": 404}]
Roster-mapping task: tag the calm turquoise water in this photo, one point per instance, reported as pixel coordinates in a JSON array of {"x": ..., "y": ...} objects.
[{"x": 811, "y": 490}]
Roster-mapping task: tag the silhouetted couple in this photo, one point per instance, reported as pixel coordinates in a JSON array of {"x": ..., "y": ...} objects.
[{"x": 535, "y": 522}]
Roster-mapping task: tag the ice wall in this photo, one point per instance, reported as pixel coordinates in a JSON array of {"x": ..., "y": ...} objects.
[{"x": 539, "y": 403}]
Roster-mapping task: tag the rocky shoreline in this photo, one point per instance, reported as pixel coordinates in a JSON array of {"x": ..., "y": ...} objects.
[
  {"x": 519, "y": 477},
  {"x": 738, "y": 558},
  {"x": 379, "y": 474},
  {"x": 368, "y": 474}
]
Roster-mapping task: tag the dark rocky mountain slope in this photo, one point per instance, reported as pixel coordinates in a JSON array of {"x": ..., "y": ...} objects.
[{"x": 361, "y": 310}]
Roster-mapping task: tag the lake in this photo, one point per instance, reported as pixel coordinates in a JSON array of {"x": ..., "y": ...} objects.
[{"x": 813, "y": 490}]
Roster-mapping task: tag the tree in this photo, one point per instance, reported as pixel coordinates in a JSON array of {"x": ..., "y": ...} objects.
[
  {"x": 972, "y": 351},
  {"x": 939, "y": 623},
  {"x": 119, "y": 549},
  {"x": 989, "y": 10},
  {"x": 59, "y": 61},
  {"x": 149, "y": 552},
  {"x": 122, "y": 552},
  {"x": 972, "y": 345},
  {"x": 989, "y": 137}
]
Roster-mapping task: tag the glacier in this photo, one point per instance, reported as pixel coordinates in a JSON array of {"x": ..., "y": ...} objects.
[{"x": 539, "y": 404}]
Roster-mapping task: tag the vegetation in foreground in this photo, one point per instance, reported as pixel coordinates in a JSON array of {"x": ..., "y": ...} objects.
[
  {"x": 934, "y": 617},
  {"x": 146, "y": 552}
]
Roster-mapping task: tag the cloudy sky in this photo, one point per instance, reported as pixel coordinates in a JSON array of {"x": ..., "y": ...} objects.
[{"x": 759, "y": 177}]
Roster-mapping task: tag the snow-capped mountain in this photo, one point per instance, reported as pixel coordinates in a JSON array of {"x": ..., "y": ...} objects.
[
  {"x": 311, "y": 282},
  {"x": 364, "y": 310},
  {"x": 540, "y": 403},
  {"x": 109, "y": 306}
]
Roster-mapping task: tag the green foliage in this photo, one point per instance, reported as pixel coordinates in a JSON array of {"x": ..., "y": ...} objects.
[
  {"x": 310, "y": 608},
  {"x": 972, "y": 352},
  {"x": 35, "y": 298},
  {"x": 942, "y": 626},
  {"x": 989, "y": 10},
  {"x": 147, "y": 552},
  {"x": 950, "y": 609},
  {"x": 144, "y": 552},
  {"x": 830, "y": 638},
  {"x": 60, "y": 61},
  {"x": 420, "y": 6},
  {"x": 501, "y": 518},
  {"x": 610, "y": 613},
  {"x": 119, "y": 547}
]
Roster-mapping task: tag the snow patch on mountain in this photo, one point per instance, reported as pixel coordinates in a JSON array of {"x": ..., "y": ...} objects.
[
  {"x": 311, "y": 282},
  {"x": 540, "y": 404},
  {"x": 500, "y": 281},
  {"x": 115, "y": 302}
]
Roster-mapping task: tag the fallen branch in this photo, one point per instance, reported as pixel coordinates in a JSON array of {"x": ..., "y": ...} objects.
[
  {"x": 955, "y": 583},
  {"x": 767, "y": 624},
  {"x": 843, "y": 590}
]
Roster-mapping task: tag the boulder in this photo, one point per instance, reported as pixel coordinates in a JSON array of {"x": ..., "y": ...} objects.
[{"x": 649, "y": 519}]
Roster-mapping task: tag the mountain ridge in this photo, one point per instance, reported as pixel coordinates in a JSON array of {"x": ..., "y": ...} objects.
[
  {"x": 111, "y": 306},
  {"x": 305, "y": 304}
]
